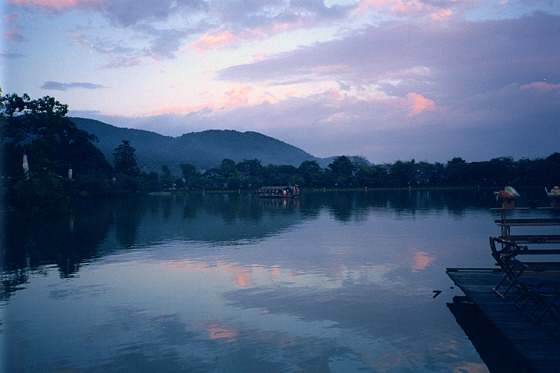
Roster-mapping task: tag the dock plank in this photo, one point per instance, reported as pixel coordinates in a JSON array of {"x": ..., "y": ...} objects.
[
  {"x": 532, "y": 340},
  {"x": 527, "y": 222}
]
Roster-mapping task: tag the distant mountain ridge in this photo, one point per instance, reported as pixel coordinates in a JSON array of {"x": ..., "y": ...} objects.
[{"x": 204, "y": 149}]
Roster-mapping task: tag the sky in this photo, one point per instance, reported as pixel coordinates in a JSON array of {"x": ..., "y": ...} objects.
[{"x": 388, "y": 80}]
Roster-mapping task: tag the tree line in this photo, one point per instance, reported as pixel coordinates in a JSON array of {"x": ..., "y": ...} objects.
[
  {"x": 47, "y": 160},
  {"x": 356, "y": 172}
]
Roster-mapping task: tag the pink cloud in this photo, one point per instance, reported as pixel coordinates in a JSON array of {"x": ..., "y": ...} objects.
[
  {"x": 237, "y": 96},
  {"x": 14, "y": 33},
  {"x": 408, "y": 7},
  {"x": 336, "y": 96},
  {"x": 418, "y": 103},
  {"x": 418, "y": 7},
  {"x": 232, "y": 98},
  {"x": 54, "y": 4},
  {"x": 441, "y": 14},
  {"x": 542, "y": 87},
  {"x": 81, "y": 40},
  {"x": 404, "y": 8},
  {"x": 213, "y": 40},
  {"x": 365, "y": 5},
  {"x": 12, "y": 17},
  {"x": 277, "y": 28},
  {"x": 409, "y": 73},
  {"x": 259, "y": 56},
  {"x": 181, "y": 109},
  {"x": 223, "y": 39}
]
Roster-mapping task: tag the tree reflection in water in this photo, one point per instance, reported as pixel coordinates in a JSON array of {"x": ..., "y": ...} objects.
[
  {"x": 68, "y": 239},
  {"x": 217, "y": 281}
]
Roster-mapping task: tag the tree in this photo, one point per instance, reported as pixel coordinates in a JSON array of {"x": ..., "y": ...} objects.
[
  {"x": 190, "y": 176},
  {"x": 151, "y": 181},
  {"x": 401, "y": 173},
  {"x": 311, "y": 173},
  {"x": 251, "y": 173},
  {"x": 426, "y": 174},
  {"x": 52, "y": 145},
  {"x": 227, "y": 168},
  {"x": 166, "y": 177},
  {"x": 456, "y": 171},
  {"x": 125, "y": 159},
  {"x": 281, "y": 175},
  {"x": 376, "y": 175},
  {"x": 250, "y": 167},
  {"x": 343, "y": 171},
  {"x": 189, "y": 170},
  {"x": 51, "y": 142}
]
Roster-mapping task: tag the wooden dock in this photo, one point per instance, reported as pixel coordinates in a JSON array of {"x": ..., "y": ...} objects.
[{"x": 534, "y": 341}]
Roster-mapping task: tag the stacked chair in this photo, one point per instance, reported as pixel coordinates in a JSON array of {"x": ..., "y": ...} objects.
[
  {"x": 512, "y": 268},
  {"x": 536, "y": 294}
]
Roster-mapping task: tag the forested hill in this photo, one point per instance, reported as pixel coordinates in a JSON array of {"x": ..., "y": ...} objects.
[{"x": 204, "y": 149}]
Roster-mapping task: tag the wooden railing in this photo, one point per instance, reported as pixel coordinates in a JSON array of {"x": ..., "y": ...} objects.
[{"x": 547, "y": 239}]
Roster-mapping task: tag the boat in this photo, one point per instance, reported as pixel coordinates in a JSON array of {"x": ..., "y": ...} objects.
[{"x": 278, "y": 191}]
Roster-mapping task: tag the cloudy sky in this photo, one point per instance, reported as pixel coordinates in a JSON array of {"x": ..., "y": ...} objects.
[{"x": 385, "y": 79}]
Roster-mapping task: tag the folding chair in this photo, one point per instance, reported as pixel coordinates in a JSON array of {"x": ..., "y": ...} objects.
[
  {"x": 535, "y": 295},
  {"x": 511, "y": 267},
  {"x": 547, "y": 301}
]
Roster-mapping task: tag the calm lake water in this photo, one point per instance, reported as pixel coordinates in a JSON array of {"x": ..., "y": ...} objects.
[{"x": 334, "y": 281}]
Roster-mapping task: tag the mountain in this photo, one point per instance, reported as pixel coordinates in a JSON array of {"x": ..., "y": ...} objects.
[{"x": 204, "y": 149}]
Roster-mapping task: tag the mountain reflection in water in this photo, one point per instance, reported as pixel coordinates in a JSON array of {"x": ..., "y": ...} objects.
[{"x": 334, "y": 281}]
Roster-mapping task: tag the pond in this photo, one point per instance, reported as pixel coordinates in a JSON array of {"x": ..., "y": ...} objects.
[{"x": 334, "y": 281}]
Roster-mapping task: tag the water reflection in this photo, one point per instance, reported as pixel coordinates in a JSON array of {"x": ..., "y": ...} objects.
[
  {"x": 337, "y": 281},
  {"x": 99, "y": 228},
  {"x": 93, "y": 220}
]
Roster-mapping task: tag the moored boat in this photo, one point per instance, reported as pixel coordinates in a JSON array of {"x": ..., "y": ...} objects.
[{"x": 278, "y": 191}]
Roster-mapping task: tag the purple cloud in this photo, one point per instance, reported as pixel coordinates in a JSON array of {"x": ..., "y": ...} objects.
[
  {"x": 464, "y": 55},
  {"x": 255, "y": 14},
  {"x": 423, "y": 79},
  {"x": 495, "y": 88},
  {"x": 11, "y": 55},
  {"x": 245, "y": 20},
  {"x": 130, "y": 12},
  {"x": 66, "y": 86},
  {"x": 505, "y": 122}
]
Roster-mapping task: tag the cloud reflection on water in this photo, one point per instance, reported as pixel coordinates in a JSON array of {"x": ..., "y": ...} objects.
[
  {"x": 254, "y": 289},
  {"x": 420, "y": 259}
]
